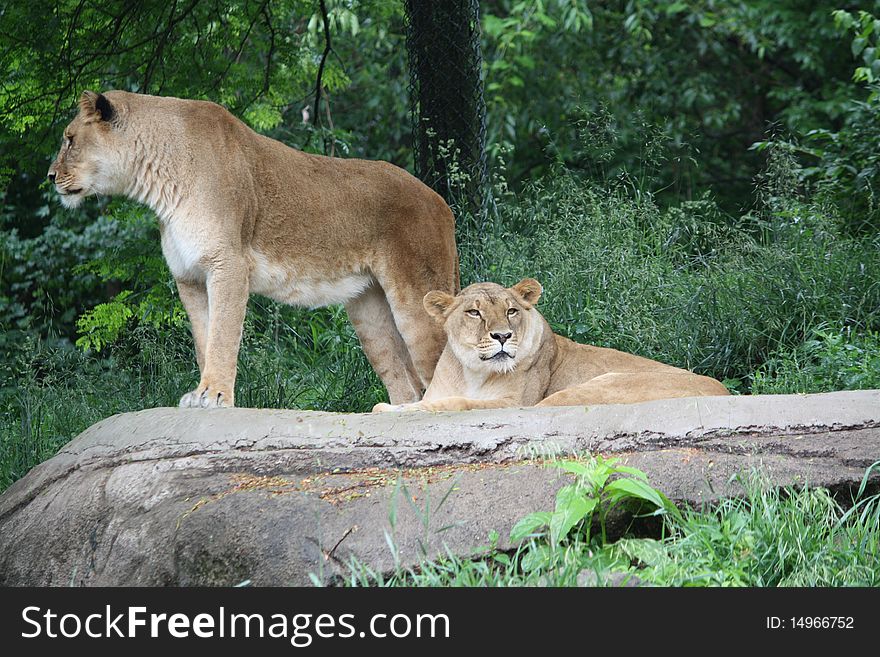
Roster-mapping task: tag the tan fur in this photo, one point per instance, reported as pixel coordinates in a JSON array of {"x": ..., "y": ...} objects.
[
  {"x": 501, "y": 352},
  {"x": 240, "y": 213}
]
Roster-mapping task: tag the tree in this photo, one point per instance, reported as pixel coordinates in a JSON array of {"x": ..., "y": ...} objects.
[{"x": 449, "y": 112}]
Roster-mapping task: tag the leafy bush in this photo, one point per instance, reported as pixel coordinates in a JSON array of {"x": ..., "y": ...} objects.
[
  {"x": 47, "y": 280},
  {"x": 829, "y": 360},
  {"x": 593, "y": 493},
  {"x": 840, "y": 157},
  {"x": 290, "y": 358}
]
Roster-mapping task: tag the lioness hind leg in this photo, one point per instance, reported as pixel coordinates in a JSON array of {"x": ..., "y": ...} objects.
[
  {"x": 424, "y": 338},
  {"x": 418, "y": 260},
  {"x": 371, "y": 317},
  {"x": 632, "y": 387}
]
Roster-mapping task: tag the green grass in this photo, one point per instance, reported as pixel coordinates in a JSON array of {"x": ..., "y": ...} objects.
[
  {"x": 830, "y": 359},
  {"x": 768, "y": 537}
]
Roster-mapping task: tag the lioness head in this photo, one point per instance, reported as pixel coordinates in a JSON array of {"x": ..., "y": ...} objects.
[
  {"x": 488, "y": 326},
  {"x": 86, "y": 163}
]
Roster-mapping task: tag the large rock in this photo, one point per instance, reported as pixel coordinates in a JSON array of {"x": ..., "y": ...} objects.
[{"x": 217, "y": 497}]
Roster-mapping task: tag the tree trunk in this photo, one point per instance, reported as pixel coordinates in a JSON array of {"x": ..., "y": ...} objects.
[{"x": 446, "y": 96}]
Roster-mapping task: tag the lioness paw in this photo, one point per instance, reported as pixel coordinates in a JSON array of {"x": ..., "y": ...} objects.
[
  {"x": 207, "y": 397},
  {"x": 386, "y": 408}
]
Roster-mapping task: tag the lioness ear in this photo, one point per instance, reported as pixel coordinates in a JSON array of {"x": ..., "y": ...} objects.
[
  {"x": 437, "y": 303},
  {"x": 529, "y": 289},
  {"x": 96, "y": 106}
]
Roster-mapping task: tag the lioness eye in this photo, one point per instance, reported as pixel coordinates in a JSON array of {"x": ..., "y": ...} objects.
[
  {"x": 473, "y": 313},
  {"x": 511, "y": 312}
]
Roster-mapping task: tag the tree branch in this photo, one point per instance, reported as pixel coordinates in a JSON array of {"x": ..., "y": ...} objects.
[{"x": 327, "y": 49}]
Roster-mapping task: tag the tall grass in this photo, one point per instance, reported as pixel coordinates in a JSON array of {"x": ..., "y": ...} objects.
[
  {"x": 771, "y": 537},
  {"x": 832, "y": 358}
]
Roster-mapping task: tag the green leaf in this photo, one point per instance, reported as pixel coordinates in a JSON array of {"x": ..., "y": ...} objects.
[
  {"x": 492, "y": 25},
  {"x": 501, "y": 558},
  {"x": 574, "y": 509},
  {"x": 536, "y": 557},
  {"x": 635, "y": 472},
  {"x": 529, "y": 525},
  {"x": 621, "y": 489},
  {"x": 858, "y": 44},
  {"x": 572, "y": 467},
  {"x": 644, "y": 550},
  {"x": 600, "y": 473},
  {"x": 843, "y": 19},
  {"x": 566, "y": 495}
]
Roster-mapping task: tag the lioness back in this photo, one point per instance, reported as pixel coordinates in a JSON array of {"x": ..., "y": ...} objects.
[{"x": 500, "y": 351}]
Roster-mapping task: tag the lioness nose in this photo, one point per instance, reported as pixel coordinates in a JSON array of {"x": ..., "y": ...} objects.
[
  {"x": 501, "y": 337},
  {"x": 51, "y": 176}
]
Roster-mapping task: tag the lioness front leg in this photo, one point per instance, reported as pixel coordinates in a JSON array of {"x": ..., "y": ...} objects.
[
  {"x": 194, "y": 297},
  {"x": 445, "y": 404},
  {"x": 227, "y": 287}
]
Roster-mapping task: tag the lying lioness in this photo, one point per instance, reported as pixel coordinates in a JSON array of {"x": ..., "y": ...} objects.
[{"x": 500, "y": 352}]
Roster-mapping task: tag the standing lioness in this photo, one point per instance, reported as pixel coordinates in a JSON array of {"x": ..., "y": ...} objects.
[
  {"x": 502, "y": 352},
  {"x": 241, "y": 213}
]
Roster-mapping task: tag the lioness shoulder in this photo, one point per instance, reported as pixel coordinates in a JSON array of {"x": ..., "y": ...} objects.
[{"x": 500, "y": 351}]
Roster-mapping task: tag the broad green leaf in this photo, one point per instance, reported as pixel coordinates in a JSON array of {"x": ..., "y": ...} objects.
[
  {"x": 635, "y": 472},
  {"x": 843, "y": 18},
  {"x": 529, "y": 525},
  {"x": 573, "y": 467},
  {"x": 858, "y": 44},
  {"x": 537, "y": 556},
  {"x": 501, "y": 558},
  {"x": 565, "y": 496},
  {"x": 620, "y": 489},
  {"x": 576, "y": 509}
]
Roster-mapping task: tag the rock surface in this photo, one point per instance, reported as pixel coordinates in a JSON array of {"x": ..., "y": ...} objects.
[{"x": 216, "y": 497}]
